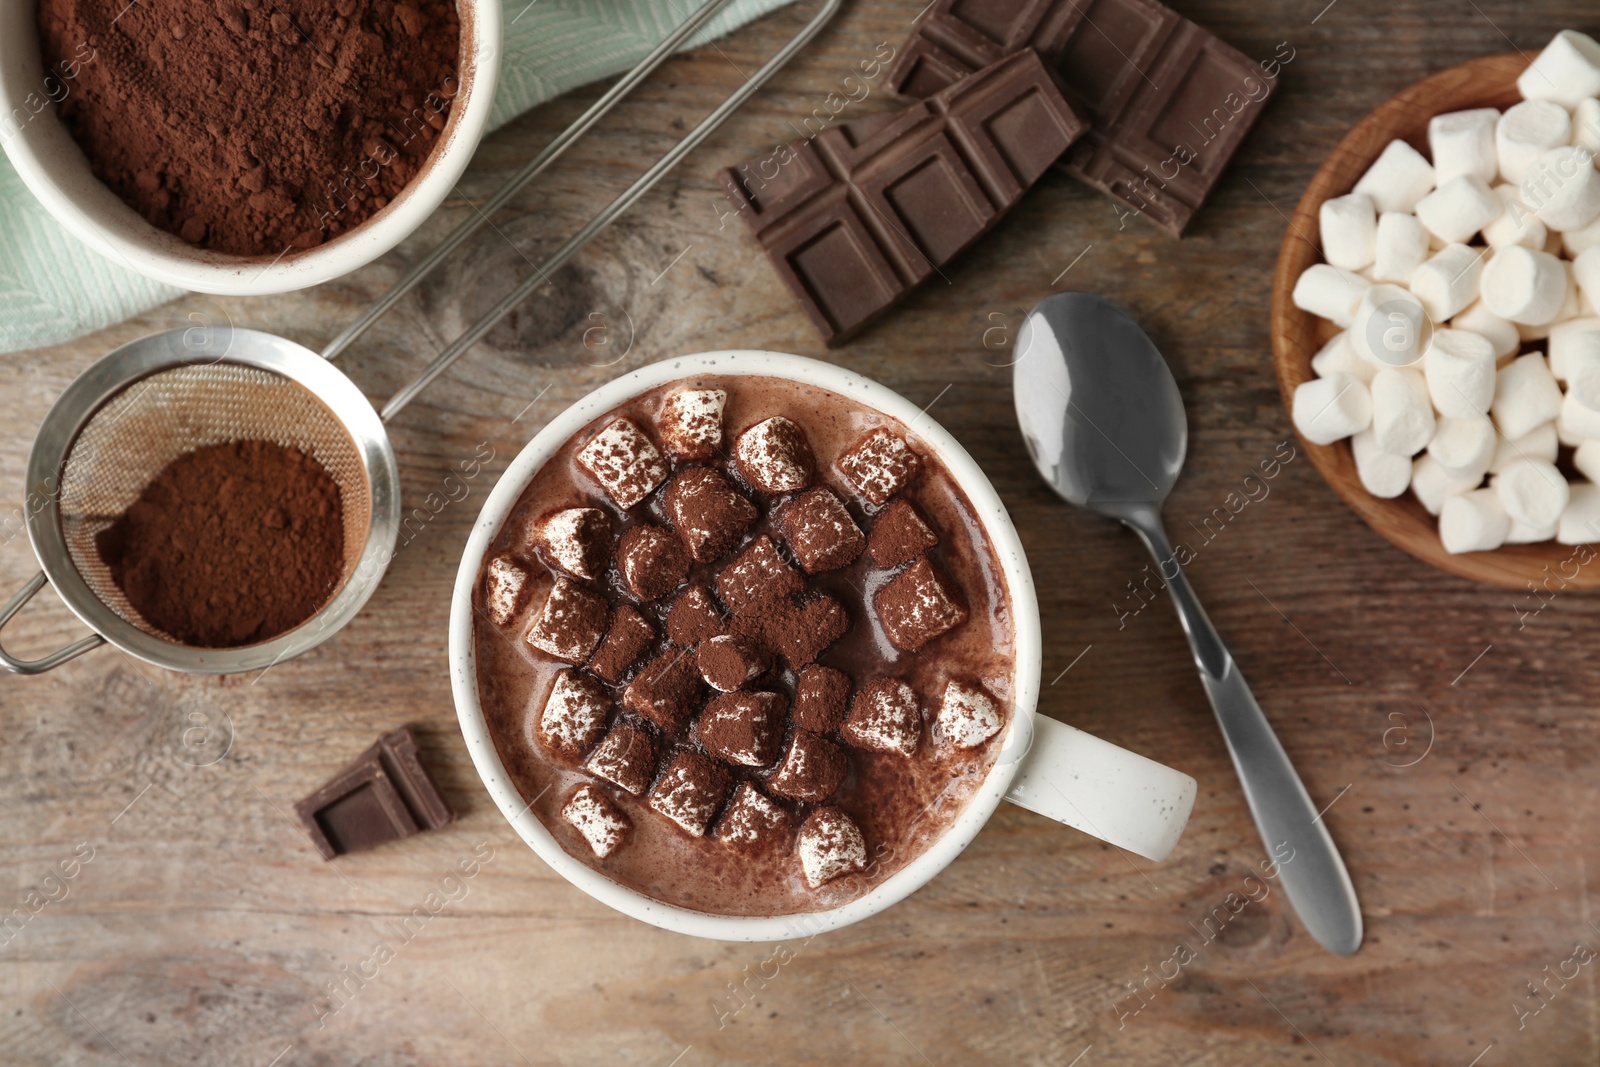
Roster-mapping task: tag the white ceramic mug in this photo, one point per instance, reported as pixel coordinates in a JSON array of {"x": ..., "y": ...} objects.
[{"x": 1044, "y": 765}]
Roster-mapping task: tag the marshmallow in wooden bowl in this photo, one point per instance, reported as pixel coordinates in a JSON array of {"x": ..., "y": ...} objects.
[{"x": 1465, "y": 283}]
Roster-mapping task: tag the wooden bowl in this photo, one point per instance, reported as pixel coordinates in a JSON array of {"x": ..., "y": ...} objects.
[{"x": 1297, "y": 335}]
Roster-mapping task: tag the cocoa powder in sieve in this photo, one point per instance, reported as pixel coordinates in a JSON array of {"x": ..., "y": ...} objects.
[
  {"x": 255, "y": 126},
  {"x": 230, "y": 544}
]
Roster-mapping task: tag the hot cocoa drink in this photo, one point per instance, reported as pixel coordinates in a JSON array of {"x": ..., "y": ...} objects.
[{"x": 744, "y": 647}]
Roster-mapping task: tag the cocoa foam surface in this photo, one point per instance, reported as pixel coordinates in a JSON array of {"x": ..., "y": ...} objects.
[{"x": 900, "y": 805}]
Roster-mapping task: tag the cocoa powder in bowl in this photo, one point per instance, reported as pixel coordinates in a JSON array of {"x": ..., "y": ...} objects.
[
  {"x": 230, "y": 544},
  {"x": 254, "y": 127}
]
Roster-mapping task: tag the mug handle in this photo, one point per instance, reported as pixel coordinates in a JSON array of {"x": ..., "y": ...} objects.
[
  {"x": 55, "y": 659},
  {"x": 1106, "y": 791}
]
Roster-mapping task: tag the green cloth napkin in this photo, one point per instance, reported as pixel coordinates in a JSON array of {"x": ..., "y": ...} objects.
[{"x": 54, "y": 288}]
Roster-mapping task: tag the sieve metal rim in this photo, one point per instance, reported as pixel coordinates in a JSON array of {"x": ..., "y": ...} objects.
[{"x": 126, "y": 366}]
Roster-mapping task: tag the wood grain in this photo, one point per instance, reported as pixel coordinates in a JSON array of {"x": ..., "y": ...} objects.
[{"x": 205, "y": 928}]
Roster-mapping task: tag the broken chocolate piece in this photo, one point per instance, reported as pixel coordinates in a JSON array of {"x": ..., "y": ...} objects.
[
  {"x": 624, "y": 461},
  {"x": 880, "y": 465},
  {"x": 728, "y": 661},
  {"x": 506, "y": 589},
  {"x": 759, "y": 573},
  {"x": 709, "y": 514},
  {"x": 383, "y": 795},
  {"x": 884, "y": 717},
  {"x": 856, "y": 217},
  {"x": 821, "y": 695},
  {"x": 575, "y": 540},
  {"x": 626, "y": 758},
  {"x": 967, "y": 717},
  {"x": 812, "y": 769},
  {"x": 899, "y": 535},
  {"x": 694, "y": 617},
  {"x": 820, "y": 531},
  {"x": 652, "y": 561},
  {"x": 774, "y": 456},
  {"x": 916, "y": 605},
  {"x": 690, "y": 422},
  {"x": 753, "y": 820},
  {"x": 691, "y": 790},
  {"x": 830, "y": 845},
  {"x": 600, "y": 821},
  {"x": 571, "y": 622},
  {"x": 745, "y": 728},
  {"x": 665, "y": 690},
  {"x": 574, "y": 715},
  {"x": 630, "y": 634}
]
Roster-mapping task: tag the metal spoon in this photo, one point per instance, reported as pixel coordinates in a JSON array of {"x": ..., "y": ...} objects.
[{"x": 1104, "y": 423}]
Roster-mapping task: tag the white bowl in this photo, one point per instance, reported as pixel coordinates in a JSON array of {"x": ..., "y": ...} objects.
[
  {"x": 1102, "y": 789},
  {"x": 54, "y": 168}
]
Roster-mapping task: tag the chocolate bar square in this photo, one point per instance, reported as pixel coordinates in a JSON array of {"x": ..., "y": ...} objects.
[{"x": 384, "y": 795}]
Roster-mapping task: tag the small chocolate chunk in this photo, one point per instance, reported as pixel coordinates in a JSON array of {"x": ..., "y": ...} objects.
[
  {"x": 624, "y": 461},
  {"x": 745, "y": 728},
  {"x": 575, "y": 540},
  {"x": 709, "y": 514},
  {"x": 759, "y": 573},
  {"x": 812, "y": 769},
  {"x": 690, "y": 422},
  {"x": 630, "y": 634},
  {"x": 830, "y": 845},
  {"x": 899, "y": 535},
  {"x": 694, "y": 617},
  {"x": 691, "y": 790},
  {"x": 574, "y": 715},
  {"x": 597, "y": 818},
  {"x": 820, "y": 531},
  {"x": 916, "y": 605},
  {"x": 665, "y": 690},
  {"x": 571, "y": 623},
  {"x": 385, "y": 794},
  {"x": 626, "y": 758},
  {"x": 821, "y": 696},
  {"x": 505, "y": 590},
  {"x": 884, "y": 717},
  {"x": 880, "y": 465},
  {"x": 753, "y": 820},
  {"x": 652, "y": 561},
  {"x": 967, "y": 717},
  {"x": 774, "y": 456},
  {"x": 729, "y": 661}
]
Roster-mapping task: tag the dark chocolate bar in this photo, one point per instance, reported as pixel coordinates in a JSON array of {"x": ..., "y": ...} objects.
[
  {"x": 385, "y": 794},
  {"x": 857, "y": 216},
  {"x": 1168, "y": 102}
]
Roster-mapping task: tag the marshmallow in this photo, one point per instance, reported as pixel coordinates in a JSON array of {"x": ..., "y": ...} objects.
[
  {"x": 1577, "y": 421},
  {"x": 1566, "y": 71},
  {"x": 1399, "y": 247},
  {"x": 1562, "y": 188},
  {"x": 1473, "y": 522},
  {"x": 1464, "y": 447},
  {"x": 1523, "y": 534},
  {"x": 1576, "y": 242},
  {"x": 1389, "y": 328},
  {"x": 1338, "y": 357},
  {"x": 1524, "y": 286},
  {"x": 1501, "y": 334},
  {"x": 1580, "y": 519},
  {"x": 1532, "y": 491},
  {"x": 1586, "y": 459},
  {"x": 1567, "y": 437},
  {"x": 1459, "y": 369},
  {"x": 1538, "y": 443},
  {"x": 1329, "y": 292},
  {"x": 1586, "y": 272},
  {"x": 1349, "y": 230},
  {"x": 1383, "y": 474},
  {"x": 1397, "y": 179},
  {"x": 1517, "y": 224},
  {"x": 1402, "y": 417},
  {"x": 1525, "y": 395},
  {"x": 1448, "y": 281},
  {"x": 1570, "y": 342},
  {"x": 1433, "y": 485},
  {"x": 1583, "y": 376},
  {"x": 1462, "y": 142},
  {"x": 1328, "y": 409},
  {"x": 1459, "y": 208},
  {"x": 1526, "y": 132},
  {"x": 1586, "y": 124},
  {"x": 1572, "y": 306}
]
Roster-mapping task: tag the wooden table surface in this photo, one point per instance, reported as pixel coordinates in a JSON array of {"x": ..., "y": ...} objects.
[{"x": 1453, "y": 741}]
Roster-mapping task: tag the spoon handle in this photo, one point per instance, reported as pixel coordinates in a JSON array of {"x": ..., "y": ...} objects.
[{"x": 1313, "y": 873}]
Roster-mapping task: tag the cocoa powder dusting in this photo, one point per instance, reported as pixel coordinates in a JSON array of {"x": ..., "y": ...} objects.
[
  {"x": 254, "y": 126},
  {"x": 230, "y": 545}
]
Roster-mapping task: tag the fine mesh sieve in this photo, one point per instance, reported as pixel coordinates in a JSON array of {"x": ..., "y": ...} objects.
[{"x": 154, "y": 399}]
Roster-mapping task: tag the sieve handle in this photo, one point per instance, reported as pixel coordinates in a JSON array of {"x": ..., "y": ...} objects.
[{"x": 55, "y": 659}]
